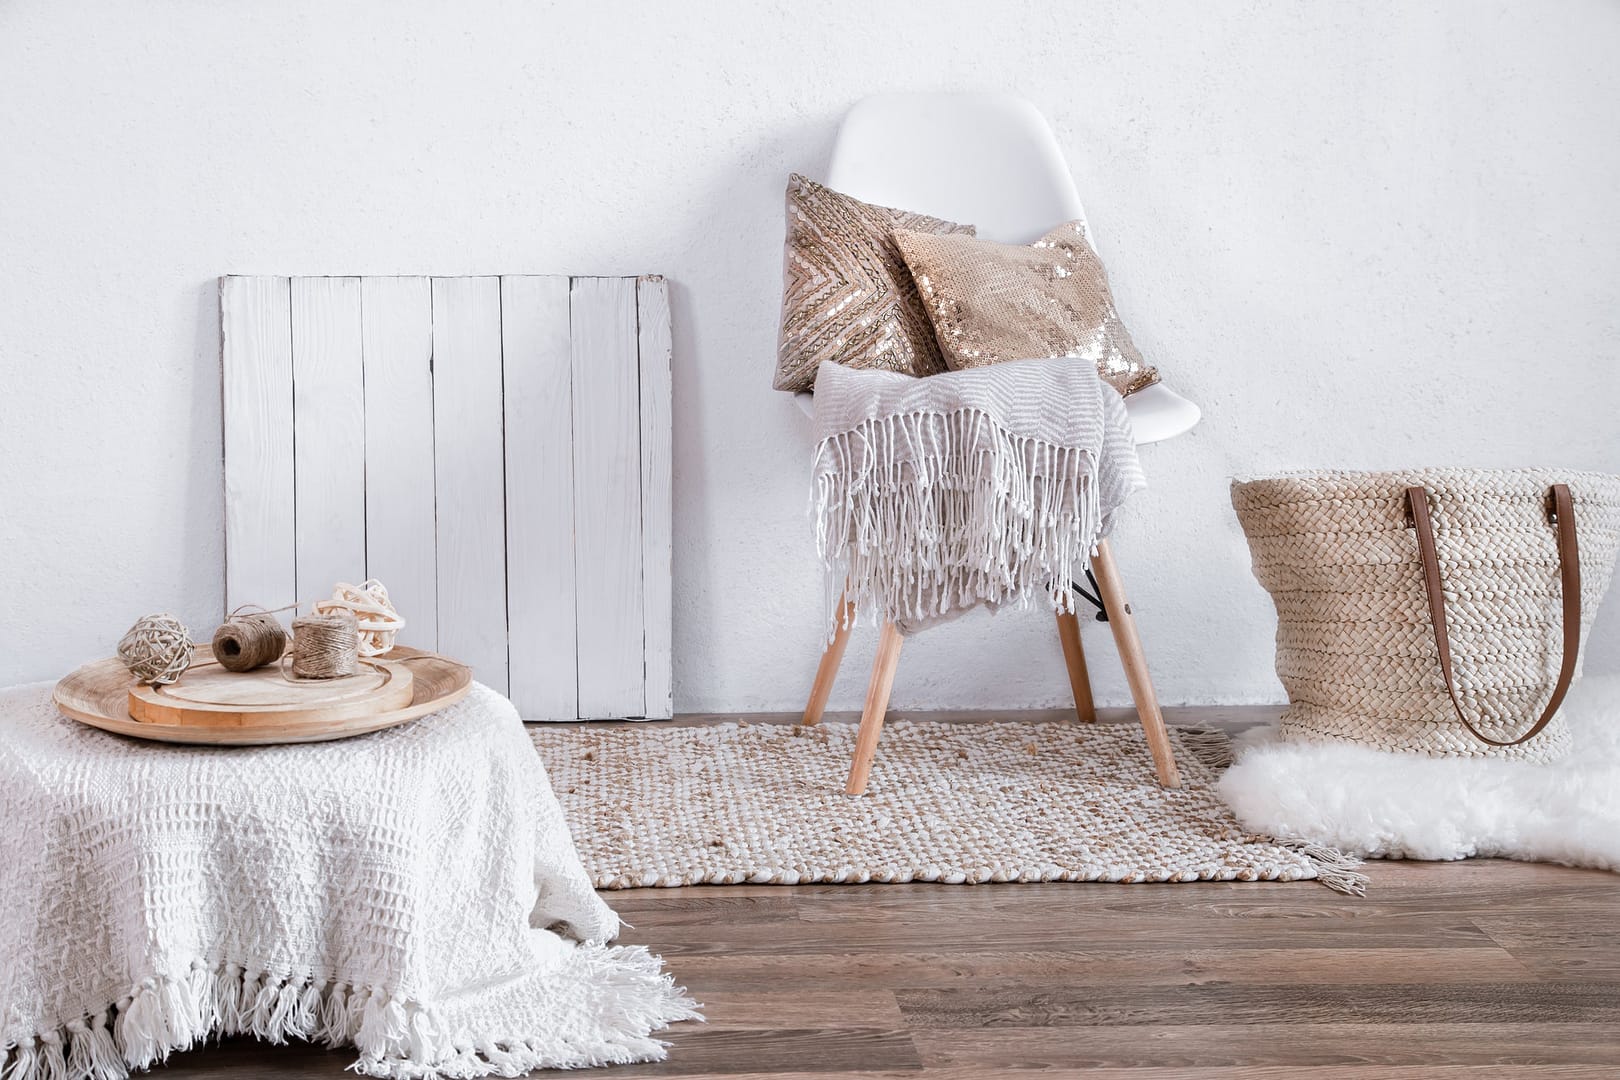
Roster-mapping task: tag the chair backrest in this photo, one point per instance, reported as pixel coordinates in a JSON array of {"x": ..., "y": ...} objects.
[{"x": 988, "y": 160}]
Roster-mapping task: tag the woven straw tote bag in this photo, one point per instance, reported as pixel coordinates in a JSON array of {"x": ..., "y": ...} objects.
[{"x": 1437, "y": 611}]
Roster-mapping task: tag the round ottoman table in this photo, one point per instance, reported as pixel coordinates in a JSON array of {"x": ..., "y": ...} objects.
[{"x": 413, "y": 893}]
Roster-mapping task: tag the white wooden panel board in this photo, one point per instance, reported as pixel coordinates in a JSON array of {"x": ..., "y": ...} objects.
[
  {"x": 607, "y": 499},
  {"x": 329, "y": 435},
  {"x": 657, "y": 574},
  {"x": 541, "y": 645},
  {"x": 470, "y": 474},
  {"x": 256, "y": 366},
  {"x": 517, "y": 506},
  {"x": 396, "y": 329}
]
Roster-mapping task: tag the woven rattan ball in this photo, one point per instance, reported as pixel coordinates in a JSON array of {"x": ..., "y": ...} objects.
[
  {"x": 157, "y": 649},
  {"x": 374, "y": 614}
]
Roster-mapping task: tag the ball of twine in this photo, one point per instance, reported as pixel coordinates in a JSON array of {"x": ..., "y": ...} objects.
[
  {"x": 325, "y": 645},
  {"x": 375, "y": 616},
  {"x": 248, "y": 640},
  {"x": 157, "y": 649}
]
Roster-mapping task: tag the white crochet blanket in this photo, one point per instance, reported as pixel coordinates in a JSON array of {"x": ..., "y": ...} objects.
[
  {"x": 412, "y": 893},
  {"x": 984, "y": 486}
]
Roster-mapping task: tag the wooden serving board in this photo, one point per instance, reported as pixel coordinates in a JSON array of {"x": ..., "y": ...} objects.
[
  {"x": 209, "y": 696},
  {"x": 211, "y": 706}
]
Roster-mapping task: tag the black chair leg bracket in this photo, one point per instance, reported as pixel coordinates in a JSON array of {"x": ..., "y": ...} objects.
[{"x": 1094, "y": 597}]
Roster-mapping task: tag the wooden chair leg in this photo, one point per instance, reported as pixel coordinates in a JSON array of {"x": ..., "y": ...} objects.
[
  {"x": 877, "y": 703},
  {"x": 1123, "y": 624},
  {"x": 827, "y": 670},
  {"x": 1074, "y": 657}
]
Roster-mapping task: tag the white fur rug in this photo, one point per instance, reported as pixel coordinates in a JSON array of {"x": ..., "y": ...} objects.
[{"x": 1404, "y": 806}]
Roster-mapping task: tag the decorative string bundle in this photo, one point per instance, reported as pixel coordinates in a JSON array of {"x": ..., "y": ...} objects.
[
  {"x": 248, "y": 640},
  {"x": 157, "y": 649},
  {"x": 375, "y": 616},
  {"x": 325, "y": 645}
]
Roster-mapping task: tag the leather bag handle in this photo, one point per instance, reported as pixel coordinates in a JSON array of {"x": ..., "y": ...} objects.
[{"x": 1569, "y": 568}]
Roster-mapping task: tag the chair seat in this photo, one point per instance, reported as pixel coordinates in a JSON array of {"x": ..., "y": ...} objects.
[{"x": 1157, "y": 412}]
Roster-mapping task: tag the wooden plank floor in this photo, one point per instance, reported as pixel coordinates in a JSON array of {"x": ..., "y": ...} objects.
[{"x": 1474, "y": 969}]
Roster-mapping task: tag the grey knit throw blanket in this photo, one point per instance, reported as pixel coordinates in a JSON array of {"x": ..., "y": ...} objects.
[{"x": 984, "y": 486}]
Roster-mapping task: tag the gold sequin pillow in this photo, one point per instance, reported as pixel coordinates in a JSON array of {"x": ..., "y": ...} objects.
[
  {"x": 991, "y": 302},
  {"x": 846, "y": 293}
]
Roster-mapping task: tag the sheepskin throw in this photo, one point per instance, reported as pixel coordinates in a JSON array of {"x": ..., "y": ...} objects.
[
  {"x": 1412, "y": 806},
  {"x": 986, "y": 486},
  {"x": 412, "y": 893}
]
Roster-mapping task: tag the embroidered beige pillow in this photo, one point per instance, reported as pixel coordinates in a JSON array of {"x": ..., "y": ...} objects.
[
  {"x": 991, "y": 302},
  {"x": 846, "y": 293}
]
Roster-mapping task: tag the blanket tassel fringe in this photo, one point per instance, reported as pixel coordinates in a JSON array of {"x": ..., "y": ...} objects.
[
  {"x": 920, "y": 515},
  {"x": 396, "y": 1037}
]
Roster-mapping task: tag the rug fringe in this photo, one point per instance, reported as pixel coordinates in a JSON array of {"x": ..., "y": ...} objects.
[
  {"x": 1335, "y": 869},
  {"x": 1208, "y": 746},
  {"x": 396, "y": 1037}
]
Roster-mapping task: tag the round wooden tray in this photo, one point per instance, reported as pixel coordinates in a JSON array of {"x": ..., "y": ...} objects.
[
  {"x": 213, "y": 707},
  {"x": 209, "y": 696}
]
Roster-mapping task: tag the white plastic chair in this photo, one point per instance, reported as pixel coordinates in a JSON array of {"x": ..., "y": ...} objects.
[{"x": 989, "y": 160}]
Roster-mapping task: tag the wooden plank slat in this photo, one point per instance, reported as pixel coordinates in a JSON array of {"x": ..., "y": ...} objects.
[
  {"x": 1306, "y": 1047},
  {"x": 541, "y": 643},
  {"x": 396, "y": 330},
  {"x": 657, "y": 478},
  {"x": 607, "y": 499},
  {"x": 469, "y": 478},
  {"x": 256, "y": 366},
  {"x": 514, "y": 507},
  {"x": 329, "y": 431},
  {"x": 1280, "y": 1001},
  {"x": 826, "y": 1007},
  {"x": 1126, "y": 932},
  {"x": 1072, "y": 968},
  {"x": 706, "y": 1053},
  {"x": 706, "y": 1050}
]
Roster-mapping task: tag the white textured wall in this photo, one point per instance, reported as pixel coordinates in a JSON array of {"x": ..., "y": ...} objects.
[{"x": 1362, "y": 235}]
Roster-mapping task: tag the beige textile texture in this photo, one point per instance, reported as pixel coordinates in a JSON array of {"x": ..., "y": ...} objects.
[
  {"x": 847, "y": 296},
  {"x": 736, "y": 803},
  {"x": 1355, "y": 644},
  {"x": 411, "y": 893},
  {"x": 993, "y": 302}
]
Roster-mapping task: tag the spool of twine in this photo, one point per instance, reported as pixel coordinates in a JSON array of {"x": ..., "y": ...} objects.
[
  {"x": 372, "y": 609},
  {"x": 249, "y": 640},
  {"x": 325, "y": 646}
]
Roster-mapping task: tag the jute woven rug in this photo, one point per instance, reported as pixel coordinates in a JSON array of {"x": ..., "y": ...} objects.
[{"x": 735, "y": 803}]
